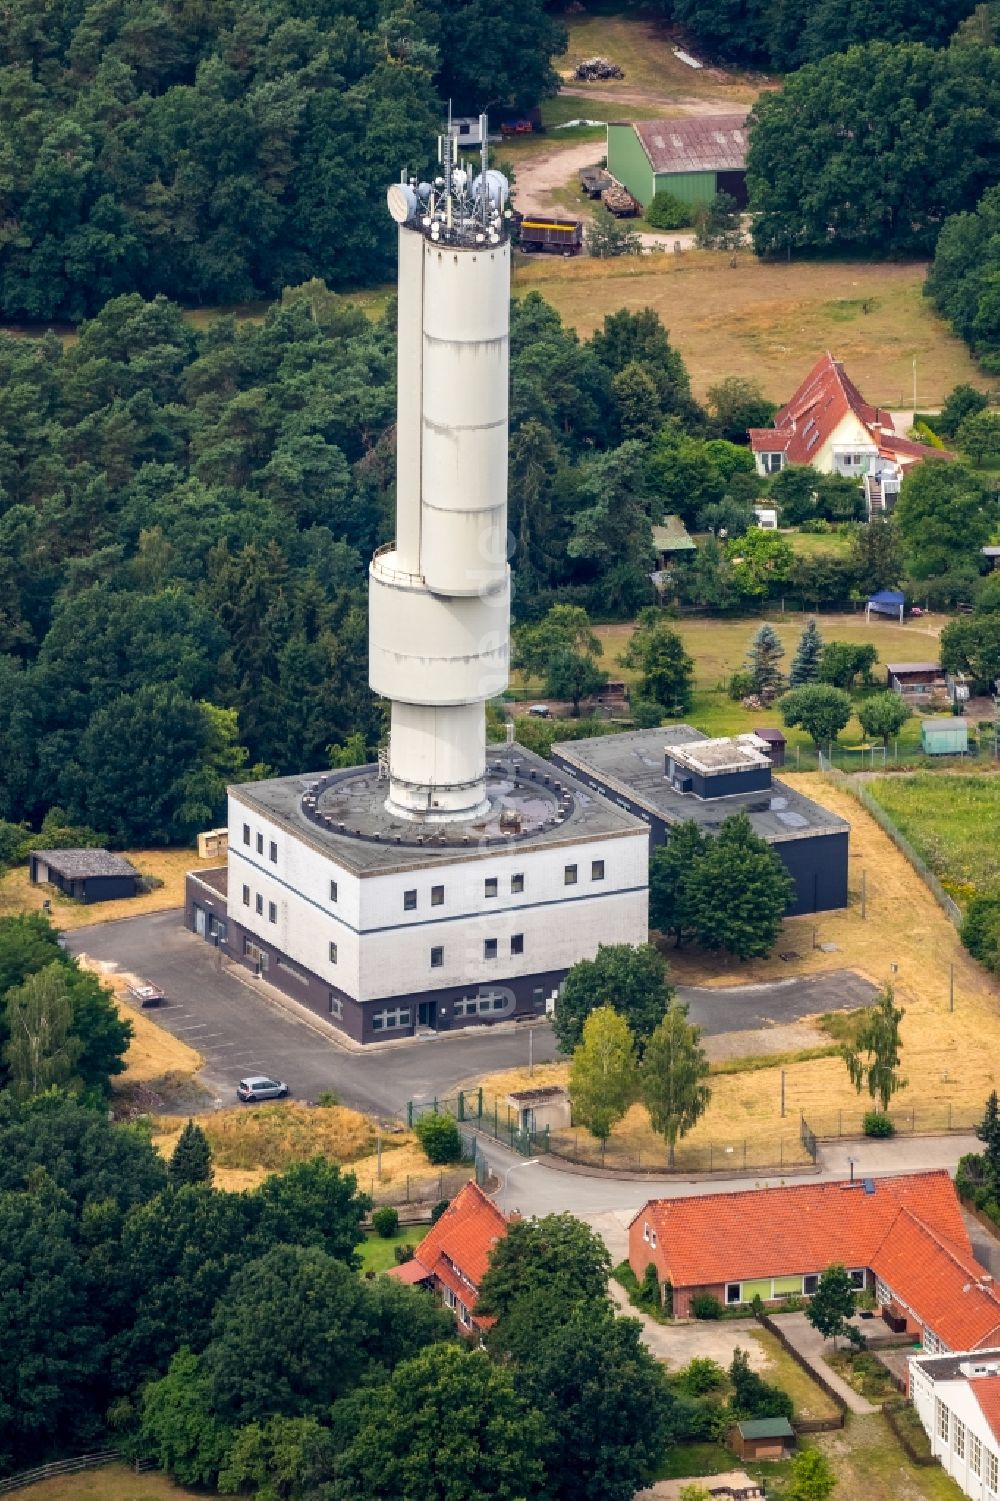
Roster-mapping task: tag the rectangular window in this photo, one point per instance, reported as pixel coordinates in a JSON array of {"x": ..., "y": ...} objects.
[
  {"x": 491, "y": 886},
  {"x": 246, "y": 896},
  {"x": 409, "y": 901},
  {"x": 645, "y": 1232},
  {"x": 517, "y": 883},
  {"x": 569, "y": 875},
  {"x": 437, "y": 958},
  {"x": 991, "y": 1470},
  {"x": 272, "y": 912},
  {"x": 517, "y": 943},
  {"x": 942, "y": 1420},
  {"x": 259, "y": 904},
  {"x": 490, "y": 948},
  {"x": 333, "y": 952},
  {"x": 597, "y": 870},
  {"x": 333, "y": 891},
  {"x": 246, "y": 833},
  {"x": 385, "y": 1021},
  {"x": 958, "y": 1438},
  {"x": 857, "y": 1276},
  {"x": 260, "y": 844},
  {"x": 652, "y": 1240},
  {"x": 733, "y": 1292},
  {"x": 336, "y": 1005},
  {"x": 273, "y": 853},
  {"x": 810, "y": 1283},
  {"x": 437, "y": 896},
  {"x": 976, "y": 1455}
]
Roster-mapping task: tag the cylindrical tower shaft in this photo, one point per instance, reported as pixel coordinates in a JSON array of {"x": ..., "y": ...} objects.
[{"x": 440, "y": 595}]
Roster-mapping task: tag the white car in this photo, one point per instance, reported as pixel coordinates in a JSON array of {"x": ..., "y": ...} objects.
[{"x": 260, "y": 1087}]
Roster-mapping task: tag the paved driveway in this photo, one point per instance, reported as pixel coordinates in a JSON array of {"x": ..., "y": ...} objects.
[{"x": 239, "y": 1030}]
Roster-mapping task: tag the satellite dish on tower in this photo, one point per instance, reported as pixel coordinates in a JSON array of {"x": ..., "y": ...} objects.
[{"x": 402, "y": 201}]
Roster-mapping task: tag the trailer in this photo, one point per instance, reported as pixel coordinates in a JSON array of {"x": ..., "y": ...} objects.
[
  {"x": 619, "y": 201},
  {"x": 594, "y": 180},
  {"x": 562, "y": 235}
]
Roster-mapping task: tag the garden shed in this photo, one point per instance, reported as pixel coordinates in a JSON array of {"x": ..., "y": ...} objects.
[
  {"x": 775, "y": 742},
  {"x": 546, "y": 1109},
  {"x": 87, "y": 875},
  {"x": 945, "y": 737},
  {"x": 762, "y": 1438}
]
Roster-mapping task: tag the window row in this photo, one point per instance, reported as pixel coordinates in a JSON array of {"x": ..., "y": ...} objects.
[
  {"x": 258, "y": 904},
  {"x": 769, "y": 1289},
  {"x": 481, "y": 1005},
  {"x": 272, "y": 849},
  {"x": 490, "y": 949},
  {"x": 491, "y": 886}
]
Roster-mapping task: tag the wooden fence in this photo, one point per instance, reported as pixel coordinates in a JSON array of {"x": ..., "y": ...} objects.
[
  {"x": 58, "y": 1467},
  {"x": 808, "y": 1425}
]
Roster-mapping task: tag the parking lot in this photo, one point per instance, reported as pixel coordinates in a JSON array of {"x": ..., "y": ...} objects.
[{"x": 240, "y": 1030}]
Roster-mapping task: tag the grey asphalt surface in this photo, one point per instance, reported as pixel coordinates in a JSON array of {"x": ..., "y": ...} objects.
[{"x": 239, "y": 1030}]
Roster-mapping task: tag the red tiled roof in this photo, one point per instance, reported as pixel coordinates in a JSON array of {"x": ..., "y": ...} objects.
[
  {"x": 701, "y": 143},
  {"x": 457, "y": 1249},
  {"x": 409, "y": 1272},
  {"x": 986, "y": 1390},
  {"x": 773, "y": 1232},
  {"x": 941, "y": 1283},
  {"x": 824, "y": 398}
]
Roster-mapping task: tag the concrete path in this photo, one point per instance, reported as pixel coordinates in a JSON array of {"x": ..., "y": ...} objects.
[
  {"x": 812, "y": 1347},
  {"x": 677, "y": 1344}
]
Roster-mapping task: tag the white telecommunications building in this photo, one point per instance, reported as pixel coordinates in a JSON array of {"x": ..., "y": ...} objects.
[{"x": 454, "y": 883}]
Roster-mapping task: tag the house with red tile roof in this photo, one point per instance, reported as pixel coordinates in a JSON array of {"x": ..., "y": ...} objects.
[
  {"x": 453, "y": 1256},
  {"x": 957, "y": 1398},
  {"x": 902, "y": 1238},
  {"x": 830, "y": 426}
]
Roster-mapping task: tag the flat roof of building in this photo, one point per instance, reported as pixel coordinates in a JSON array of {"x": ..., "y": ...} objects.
[
  {"x": 533, "y": 805},
  {"x": 78, "y": 865},
  {"x": 632, "y": 765},
  {"x": 727, "y": 753}
]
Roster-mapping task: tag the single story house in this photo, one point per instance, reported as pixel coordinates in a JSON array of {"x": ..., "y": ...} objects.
[
  {"x": 915, "y": 681},
  {"x": 86, "y": 875},
  {"x": 830, "y": 426},
  {"x": 453, "y": 1256},
  {"x": 693, "y": 158},
  {"x": 992, "y": 556},
  {"x": 901, "y": 1237},
  {"x": 944, "y": 737},
  {"x": 761, "y": 1438},
  {"x": 957, "y": 1398}
]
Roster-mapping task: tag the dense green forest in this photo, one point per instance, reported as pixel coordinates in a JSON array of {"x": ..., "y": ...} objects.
[
  {"x": 215, "y": 150},
  {"x": 964, "y": 279},
  {"x": 784, "y": 34}
]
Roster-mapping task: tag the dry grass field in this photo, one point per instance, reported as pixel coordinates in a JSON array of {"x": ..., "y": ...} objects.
[
  {"x": 17, "y": 894},
  {"x": 110, "y": 1483},
  {"x": 949, "y": 1059},
  {"x": 155, "y": 1056},
  {"x": 770, "y": 320},
  {"x": 643, "y": 47}
]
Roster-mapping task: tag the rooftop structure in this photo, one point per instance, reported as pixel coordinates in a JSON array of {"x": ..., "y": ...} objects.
[{"x": 699, "y": 143}]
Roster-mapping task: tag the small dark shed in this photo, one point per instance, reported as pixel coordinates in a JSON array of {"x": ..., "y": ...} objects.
[
  {"x": 762, "y": 1438},
  {"x": 775, "y": 742},
  {"x": 86, "y": 875}
]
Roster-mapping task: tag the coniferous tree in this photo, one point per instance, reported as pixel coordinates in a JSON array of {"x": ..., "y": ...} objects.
[
  {"x": 805, "y": 663},
  {"x": 191, "y": 1161},
  {"x": 988, "y": 1132},
  {"x": 765, "y": 652}
]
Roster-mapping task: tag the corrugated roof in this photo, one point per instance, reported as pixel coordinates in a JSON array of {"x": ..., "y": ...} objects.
[
  {"x": 78, "y": 864},
  {"x": 774, "y": 1232},
  {"x": 702, "y": 143}
]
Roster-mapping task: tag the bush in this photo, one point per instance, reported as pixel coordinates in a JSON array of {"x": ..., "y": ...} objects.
[
  {"x": 741, "y": 685},
  {"x": 439, "y": 1209},
  {"x": 649, "y": 1287},
  {"x": 817, "y": 524},
  {"x": 667, "y": 212},
  {"x": 877, "y": 1123},
  {"x": 700, "y": 1376},
  {"x": 646, "y": 712},
  {"x": 438, "y": 1135},
  {"x": 691, "y": 1420},
  {"x": 706, "y": 1306},
  {"x": 404, "y": 1252},
  {"x": 385, "y": 1222}
]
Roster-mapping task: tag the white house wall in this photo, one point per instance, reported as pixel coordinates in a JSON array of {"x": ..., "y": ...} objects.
[{"x": 961, "y": 1404}]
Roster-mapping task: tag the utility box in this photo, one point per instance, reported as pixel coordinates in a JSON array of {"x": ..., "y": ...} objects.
[{"x": 213, "y": 843}]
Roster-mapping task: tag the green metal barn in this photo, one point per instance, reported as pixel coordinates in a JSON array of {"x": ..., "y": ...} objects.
[{"x": 692, "y": 158}]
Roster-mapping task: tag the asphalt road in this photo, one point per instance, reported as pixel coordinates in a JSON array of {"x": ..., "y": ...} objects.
[{"x": 240, "y": 1030}]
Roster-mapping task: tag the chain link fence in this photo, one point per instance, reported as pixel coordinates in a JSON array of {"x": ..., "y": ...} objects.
[
  {"x": 485, "y": 1113},
  {"x": 775, "y": 1154},
  {"x": 933, "y": 1120}
]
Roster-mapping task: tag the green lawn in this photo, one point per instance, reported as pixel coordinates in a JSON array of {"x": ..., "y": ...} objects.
[
  {"x": 378, "y": 1254},
  {"x": 952, "y": 820}
]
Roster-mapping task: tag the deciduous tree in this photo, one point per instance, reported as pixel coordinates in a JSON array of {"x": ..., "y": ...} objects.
[
  {"x": 557, "y": 1254},
  {"x": 873, "y": 1057},
  {"x": 670, "y": 868},
  {"x": 737, "y": 892},
  {"x": 672, "y": 1077},
  {"x": 602, "y": 1076},
  {"x": 631, "y": 979},
  {"x": 821, "y": 710},
  {"x": 832, "y": 1304},
  {"x": 883, "y": 715}
]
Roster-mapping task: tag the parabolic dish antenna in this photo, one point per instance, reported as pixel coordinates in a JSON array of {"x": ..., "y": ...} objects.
[{"x": 402, "y": 202}]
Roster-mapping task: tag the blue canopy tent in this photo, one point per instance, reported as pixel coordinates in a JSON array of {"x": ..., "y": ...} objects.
[{"x": 885, "y": 602}]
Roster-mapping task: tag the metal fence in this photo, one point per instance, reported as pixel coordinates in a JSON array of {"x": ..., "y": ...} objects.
[
  {"x": 484, "y": 1113},
  {"x": 774, "y": 1154},
  {"x": 861, "y": 794},
  {"x": 58, "y": 1467},
  {"x": 935, "y": 1120}
]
